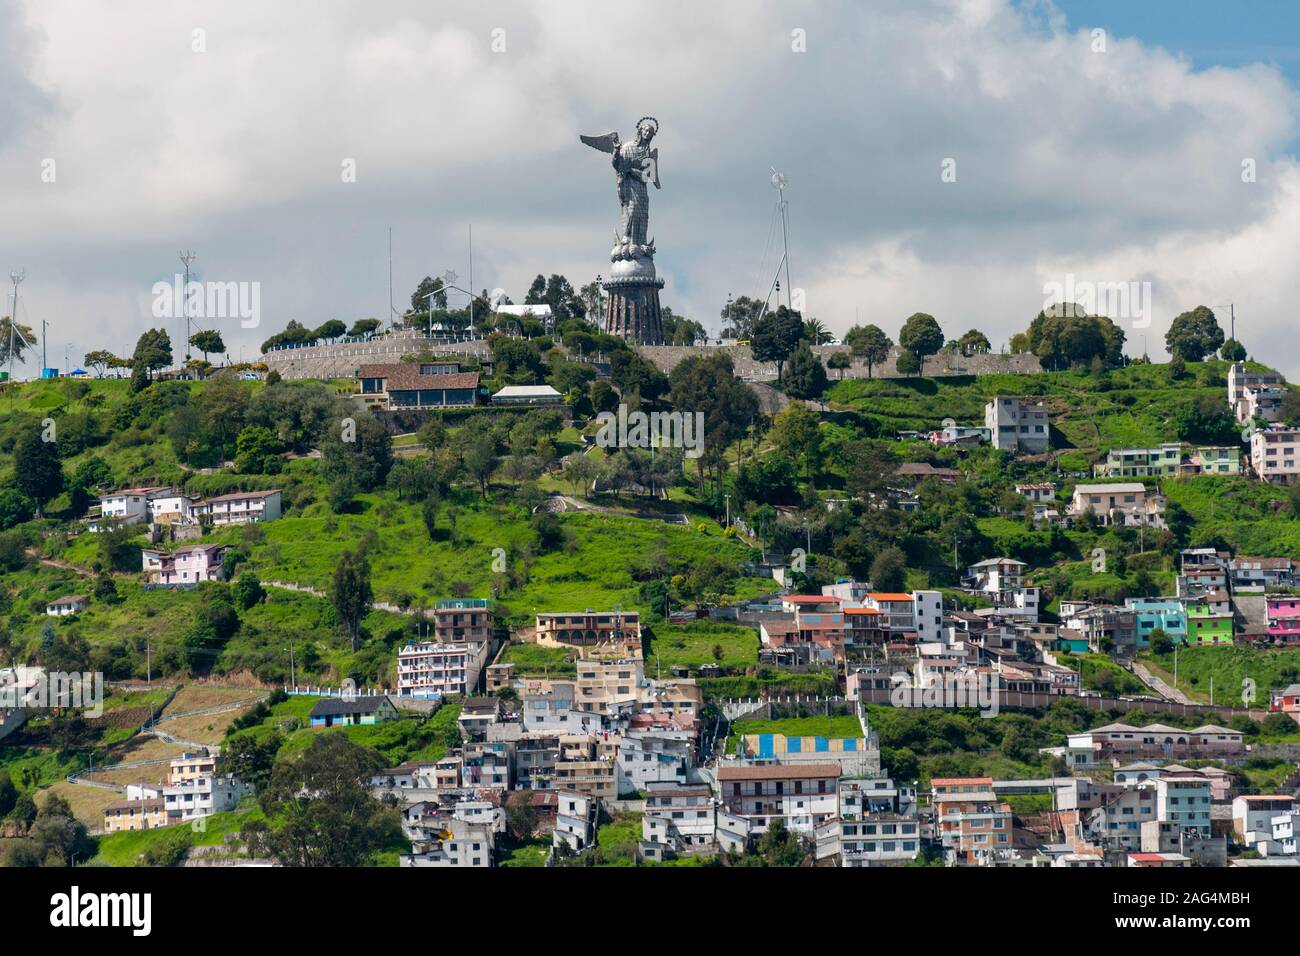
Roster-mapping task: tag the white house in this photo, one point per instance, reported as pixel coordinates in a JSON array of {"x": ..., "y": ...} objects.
[
  {"x": 1017, "y": 426},
  {"x": 204, "y": 796},
  {"x": 239, "y": 507},
  {"x": 128, "y": 506},
  {"x": 431, "y": 669},
  {"x": 575, "y": 820},
  {"x": 65, "y": 606}
]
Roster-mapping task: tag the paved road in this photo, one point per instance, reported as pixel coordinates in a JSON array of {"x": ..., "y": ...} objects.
[{"x": 1159, "y": 686}]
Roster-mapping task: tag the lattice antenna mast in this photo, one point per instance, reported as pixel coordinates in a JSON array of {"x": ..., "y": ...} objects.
[
  {"x": 778, "y": 181},
  {"x": 187, "y": 257}
]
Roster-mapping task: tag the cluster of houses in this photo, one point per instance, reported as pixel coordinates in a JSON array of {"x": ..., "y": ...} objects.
[
  {"x": 171, "y": 508},
  {"x": 1022, "y": 427},
  {"x": 195, "y": 789},
  {"x": 608, "y": 732}
]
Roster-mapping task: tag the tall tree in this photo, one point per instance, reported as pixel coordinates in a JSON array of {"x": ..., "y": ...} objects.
[
  {"x": 351, "y": 593},
  {"x": 23, "y": 339},
  {"x": 1194, "y": 334},
  {"x": 775, "y": 337},
  {"x": 153, "y": 350},
  {"x": 805, "y": 376},
  {"x": 739, "y": 316},
  {"x": 329, "y": 331},
  {"x": 430, "y": 294},
  {"x": 868, "y": 344},
  {"x": 921, "y": 336},
  {"x": 208, "y": 341},
  {"x": 37, "y": 471},
  {"x": 974, "y": 342},
  {"x": 320, "y": 809}
]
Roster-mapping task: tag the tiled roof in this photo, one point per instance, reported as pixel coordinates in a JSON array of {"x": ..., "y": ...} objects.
[
  {"x": 241, "y": 495},
  {"x": 335, "y": 707},
  {"x": 406, "y": 376}
]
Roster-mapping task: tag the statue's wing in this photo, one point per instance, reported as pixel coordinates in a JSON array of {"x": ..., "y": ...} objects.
[{"x": 606, "y": 144}]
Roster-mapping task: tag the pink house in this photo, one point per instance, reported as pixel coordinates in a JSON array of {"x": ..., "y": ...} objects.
[
  {"x": 1283, "y": 613},
  {"x": 187, "y": 565},
  {"x": 1287, "y": 701}
]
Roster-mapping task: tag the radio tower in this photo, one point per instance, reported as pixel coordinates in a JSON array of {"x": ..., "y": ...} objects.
[{"x": 187, "y": 257}]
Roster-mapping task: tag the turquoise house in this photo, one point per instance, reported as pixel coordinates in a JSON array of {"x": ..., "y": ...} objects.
[{"x": 1168, "y": 614}]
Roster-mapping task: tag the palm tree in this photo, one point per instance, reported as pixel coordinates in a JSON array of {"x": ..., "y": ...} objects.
[{"x": 815, "y": 332}]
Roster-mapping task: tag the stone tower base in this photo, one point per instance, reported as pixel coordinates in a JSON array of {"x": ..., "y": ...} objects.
[{"x": 632, "y": 310}]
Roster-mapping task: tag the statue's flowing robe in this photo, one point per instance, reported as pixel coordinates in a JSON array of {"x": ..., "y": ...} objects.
[{"x": 633, "y": 195}]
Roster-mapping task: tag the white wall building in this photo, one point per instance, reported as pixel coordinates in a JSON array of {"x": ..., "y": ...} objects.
[
  {"x": 429, "y": 669},
  {"x": 204, "y": 796},
  {"x": 1017, "y": 426}
]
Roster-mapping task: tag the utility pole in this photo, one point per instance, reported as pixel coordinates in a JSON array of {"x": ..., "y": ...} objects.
[
  {"x": 187, "y": 257},
  {"x": 148, "y": 650},
  {"x": 293, "y": 679},
  {"x": 44, "y": 335},
  {"x": 391, "y": 310}
]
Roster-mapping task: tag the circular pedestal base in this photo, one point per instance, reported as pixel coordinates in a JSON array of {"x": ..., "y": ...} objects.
[{"x": 632, "y": 309}]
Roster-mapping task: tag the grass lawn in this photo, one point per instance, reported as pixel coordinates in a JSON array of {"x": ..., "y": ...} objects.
[
  {"x": 31, "y": 768},
  {"x": 407, "y": 738},
  {"x": 406, "y": 567},
  {"x": 530, "y": 854},
  {"x": 127, "y": 847},
  {"x": 618, "y": 839},
  {"x": 695, "y": 644},
  {"x": 1101, "y": 673},
  {"x": 1228, "y": 667},
  {"x": 534, "y": 660}
]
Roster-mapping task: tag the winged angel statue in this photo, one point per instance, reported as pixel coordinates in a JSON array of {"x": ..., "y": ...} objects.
[{"x": 636, "y": 165}]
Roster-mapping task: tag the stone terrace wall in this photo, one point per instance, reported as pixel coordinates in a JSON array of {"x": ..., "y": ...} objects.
[
  {"x": 666, "y": 357},
  {"x": 341, "y": 360}
]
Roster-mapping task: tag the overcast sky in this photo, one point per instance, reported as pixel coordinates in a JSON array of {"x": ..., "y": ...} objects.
[{"x": 1122, "y": 164}]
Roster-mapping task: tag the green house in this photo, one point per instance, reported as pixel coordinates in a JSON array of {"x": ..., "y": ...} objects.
[{"x": 1207, "y": 625}]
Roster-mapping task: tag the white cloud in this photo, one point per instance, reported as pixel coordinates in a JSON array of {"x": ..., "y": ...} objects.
[{"x": 1123, "y": 165}]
